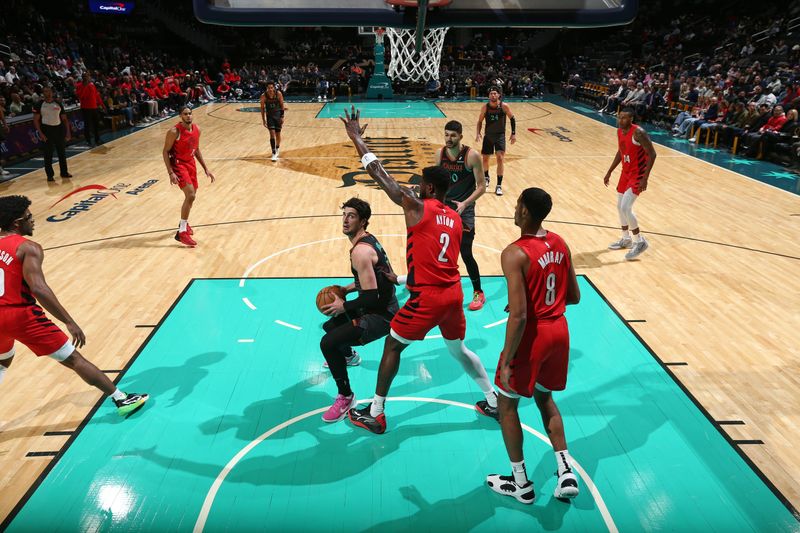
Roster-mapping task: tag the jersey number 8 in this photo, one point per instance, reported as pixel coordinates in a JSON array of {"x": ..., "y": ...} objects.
[{"x": 550, "y": 285}]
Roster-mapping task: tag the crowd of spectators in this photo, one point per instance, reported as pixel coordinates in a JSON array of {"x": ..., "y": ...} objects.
[
  {"x": 736, "y": 79},
  {"x": 141, "y": 84}
]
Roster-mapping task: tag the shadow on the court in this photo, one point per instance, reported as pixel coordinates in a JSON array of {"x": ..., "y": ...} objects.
[
  {"x": 12, "y": 429},
  {"x": 361, "y": 449},
  {"x": 153, "y": 240},
  {"x": 592, "y": 259},
  {"x": 181, "y": 379},
  {"x": 467, "y": 511}
]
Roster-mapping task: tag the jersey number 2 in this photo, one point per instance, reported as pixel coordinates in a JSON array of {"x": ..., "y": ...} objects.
[
  {"x": 550, "y": 285},
  {"x": 444, "y": 240}
]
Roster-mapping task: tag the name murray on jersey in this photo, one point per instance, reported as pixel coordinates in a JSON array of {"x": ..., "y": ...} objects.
[{"x": 551, "y": 257}]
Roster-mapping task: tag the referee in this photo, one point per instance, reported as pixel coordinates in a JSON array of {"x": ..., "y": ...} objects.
[{"x": 51, "y": 122}]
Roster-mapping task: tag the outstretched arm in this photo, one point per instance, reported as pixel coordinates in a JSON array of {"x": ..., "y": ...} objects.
[
  {"x": 402, "y": 196},
  {"x": 33, "y": 255}
]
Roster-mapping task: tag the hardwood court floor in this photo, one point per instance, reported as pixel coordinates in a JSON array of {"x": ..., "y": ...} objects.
[{"x": 718, "y": 288}]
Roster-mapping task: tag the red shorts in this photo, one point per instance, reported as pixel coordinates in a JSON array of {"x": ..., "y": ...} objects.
[
  {"x": 628, "y": 181},
  {"x": 187, "y": 174},
  {"x": 30, "y": 326},
  {"x": 542, "y": 357},
  {"x": 429, "y": 307}
]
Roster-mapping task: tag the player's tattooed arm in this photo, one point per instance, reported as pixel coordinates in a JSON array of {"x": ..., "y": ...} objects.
[
  {"x": 402, "y": 196},
  {"x": 643, "y": 139}
]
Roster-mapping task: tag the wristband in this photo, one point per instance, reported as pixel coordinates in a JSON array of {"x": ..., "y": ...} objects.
[{"x": 368, "y": 158}]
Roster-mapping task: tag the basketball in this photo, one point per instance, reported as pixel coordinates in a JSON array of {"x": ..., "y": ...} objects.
[{"x": 326, "y": 295}]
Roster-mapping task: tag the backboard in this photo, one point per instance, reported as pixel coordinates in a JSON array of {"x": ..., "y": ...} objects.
[{"x": 460, "y": 13}]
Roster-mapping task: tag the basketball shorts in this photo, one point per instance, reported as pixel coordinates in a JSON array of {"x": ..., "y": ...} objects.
[
  {"x": 274, "y": 121},
  {"x": 30, "y": 326},
  {"x": 374, "y": 327},
  {"x": 542, "y": 357},
  {"x": 427, "y": 308},
  {"x": 187, "y": 174},
  {"x": 628, "y": 181},
  {"x": 493, "y": 143}
]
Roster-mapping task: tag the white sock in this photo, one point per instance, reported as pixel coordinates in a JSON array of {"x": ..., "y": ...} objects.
[
  {"x": 520, "y": 476},
  {"x": 182, "y": 225},
  {"x": 401, "y": 280},
  {"x": 637, "y": 237},
  {"x": 377, "y": 405},
  {"x": 2, "y": 373},
  {"x": 491, "y": 398},
  {"x": 118, "y": 395},
  {"x": 564, "y": 461},
  {"x": 626, "y": 234}
]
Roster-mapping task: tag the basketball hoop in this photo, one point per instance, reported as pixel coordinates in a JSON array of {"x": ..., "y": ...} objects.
[
  {"x": 416, "y": 53},
  {"x": 408, "y": 65}
]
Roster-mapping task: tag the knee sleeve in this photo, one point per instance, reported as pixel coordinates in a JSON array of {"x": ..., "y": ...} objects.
[
  {"x": 623, "y": 217},
  {"x": 626, "y": 209}
]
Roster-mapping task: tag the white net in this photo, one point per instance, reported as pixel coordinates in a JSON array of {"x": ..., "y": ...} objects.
[{"x": 408, "y": 65}]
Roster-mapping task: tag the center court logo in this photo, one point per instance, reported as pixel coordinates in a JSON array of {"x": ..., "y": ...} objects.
[
  {"x": 557, "y": 132},
  {"x": 101, "y": 192},
  {"x": 402, "y": 157}
]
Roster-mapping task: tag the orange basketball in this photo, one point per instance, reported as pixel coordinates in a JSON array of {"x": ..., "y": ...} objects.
[{"x": 326, "y": 295}]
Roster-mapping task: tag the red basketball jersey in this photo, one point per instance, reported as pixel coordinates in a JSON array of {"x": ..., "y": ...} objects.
[
  {"x": 14, "y": 291},
  {"x": 185, "y": 145},
  {"x": 548, "y": 275},
  {"x": 634, "y": 158},
  {"x": 433, "y": 247}
]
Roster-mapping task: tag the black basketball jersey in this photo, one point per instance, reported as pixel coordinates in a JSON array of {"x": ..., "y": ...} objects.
[
  {"x": 272, "y": 105},
  {"x": 386, "y": 295},
  {"x": 462, "y": 180},
  {"x": 495, "y": 120}
]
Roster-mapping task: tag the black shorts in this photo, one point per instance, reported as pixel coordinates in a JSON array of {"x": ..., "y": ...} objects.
[
  {"x": 468, "y": 219},
  {"x": 374, "y": 327},
  {"x": 274, "y": 121},
  {"x": 492, "y": 144}
]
